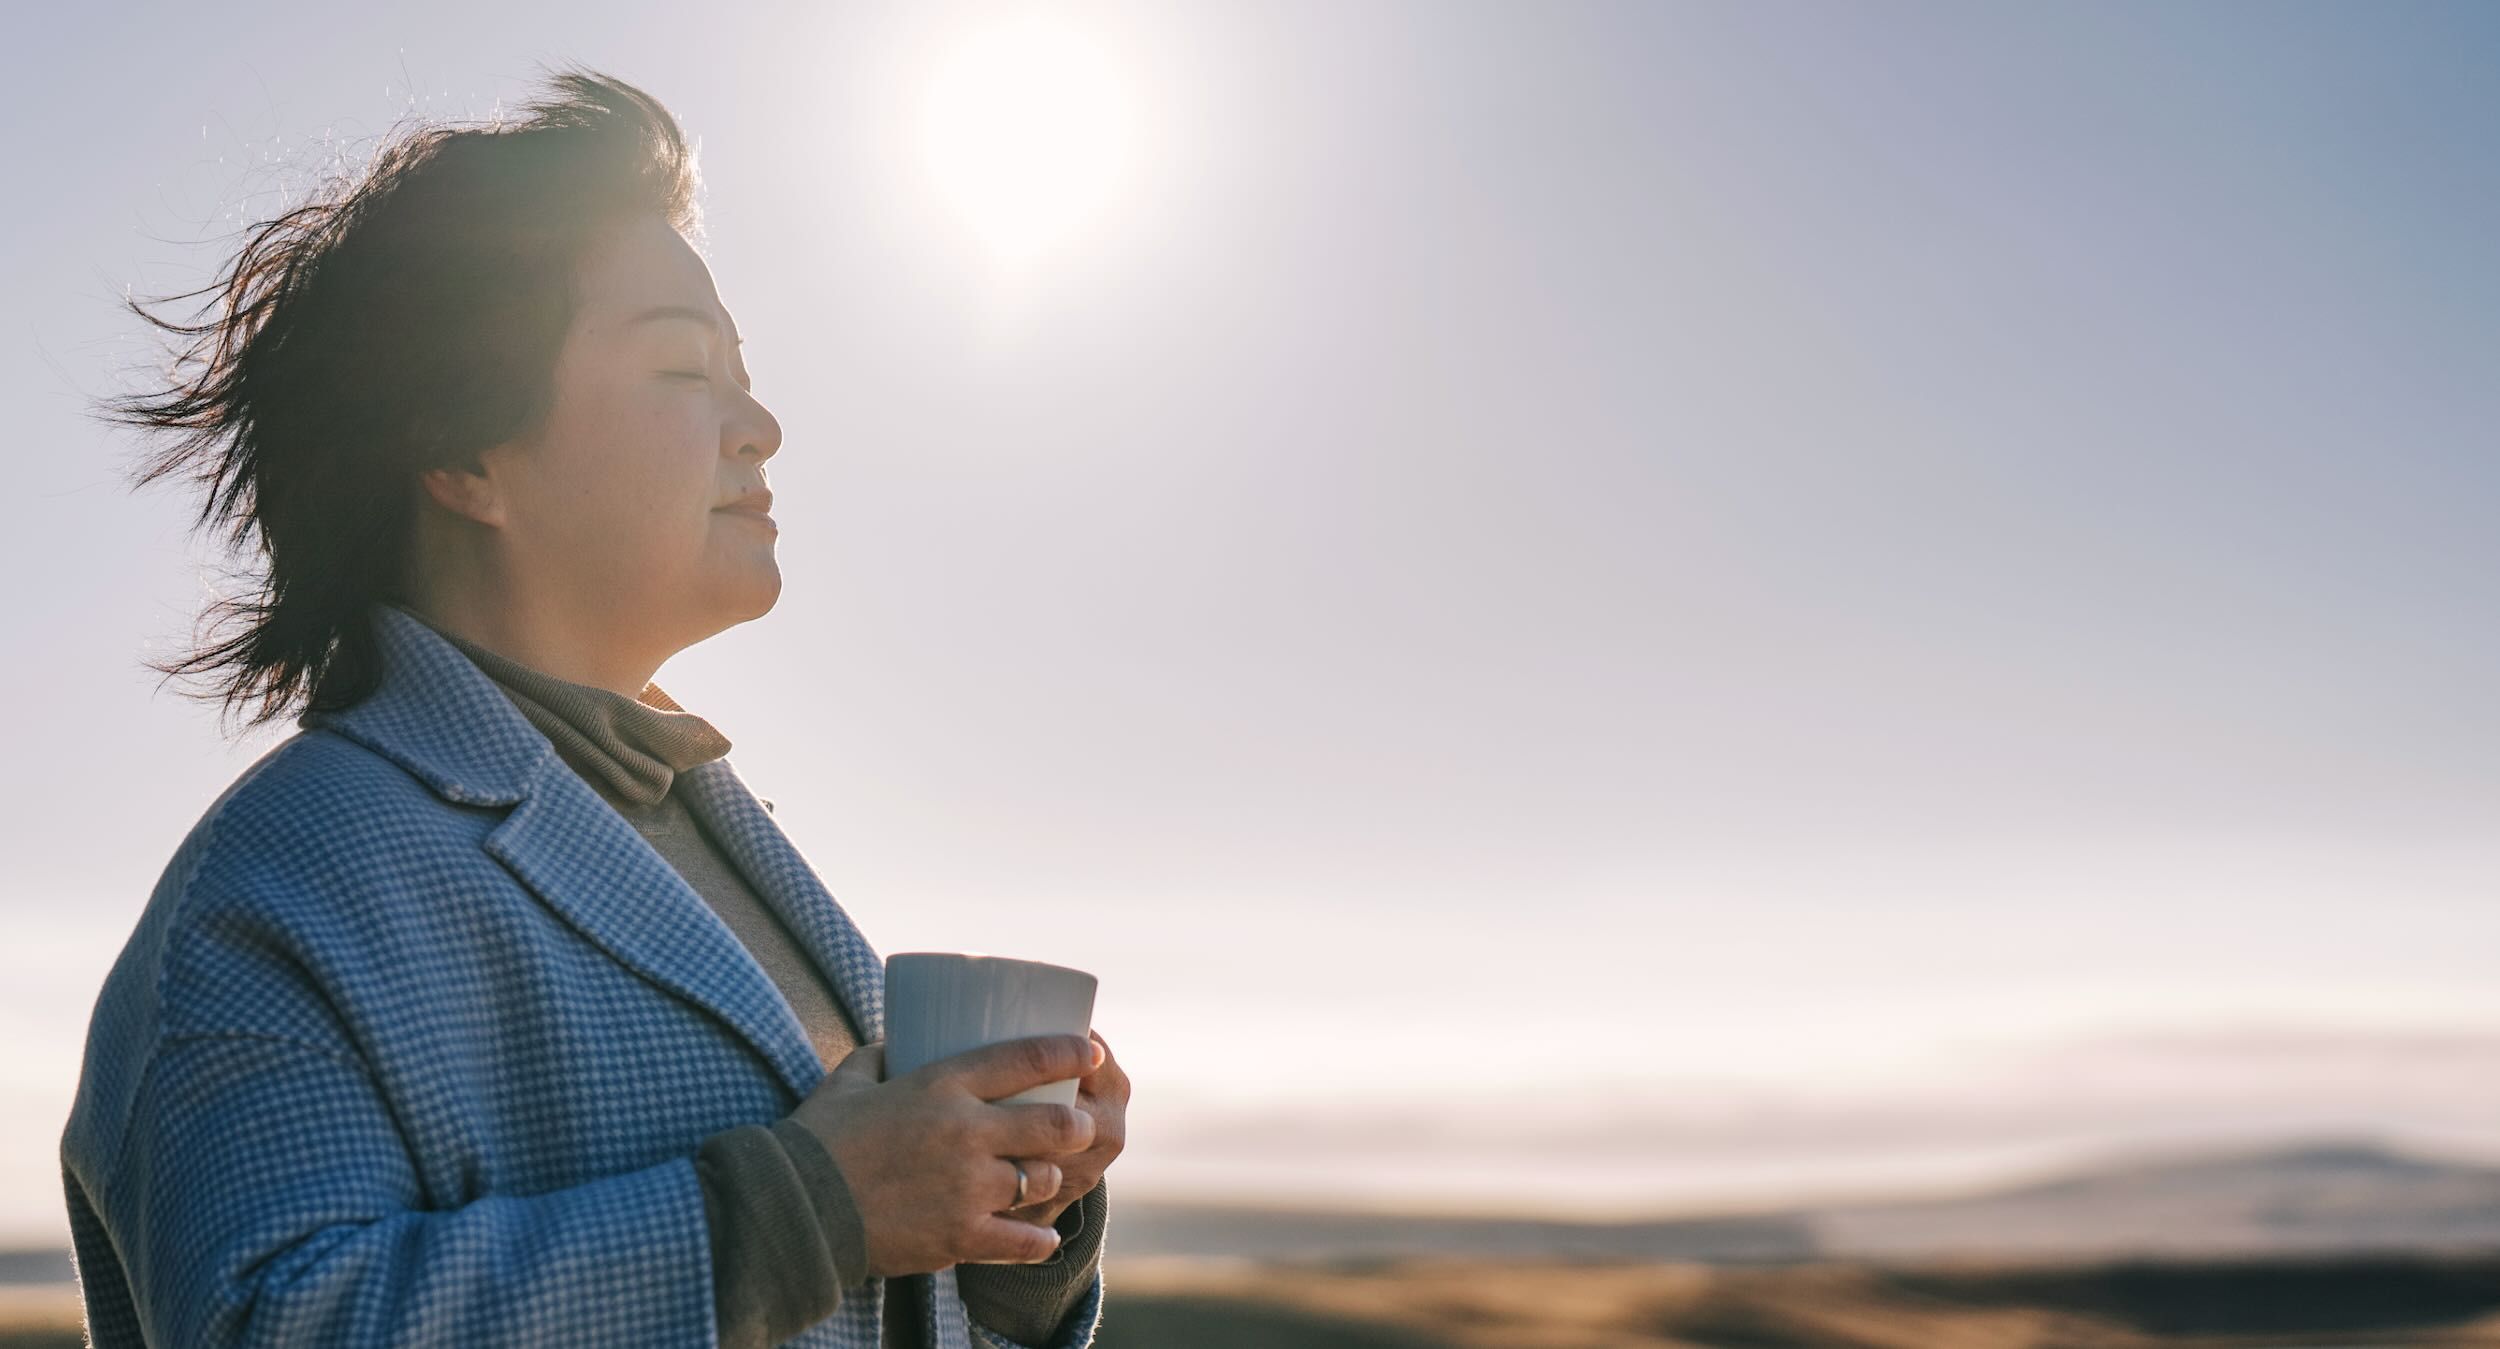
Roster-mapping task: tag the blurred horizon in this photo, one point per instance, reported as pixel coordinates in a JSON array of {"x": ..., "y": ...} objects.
[{"x": 1606, "y": 609}]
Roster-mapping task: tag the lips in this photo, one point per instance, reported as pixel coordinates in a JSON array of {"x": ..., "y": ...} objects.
[{"x": 754, "y": 506}]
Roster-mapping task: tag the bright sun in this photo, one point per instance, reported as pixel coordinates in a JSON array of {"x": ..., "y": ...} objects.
[{"x": 1027, "y": 133}]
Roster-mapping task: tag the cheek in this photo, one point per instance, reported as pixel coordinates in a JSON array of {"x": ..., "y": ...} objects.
[{"x": 656, "y": 456}]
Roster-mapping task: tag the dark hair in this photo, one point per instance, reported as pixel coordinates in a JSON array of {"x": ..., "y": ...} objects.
[{"x": 407, "y": 317}]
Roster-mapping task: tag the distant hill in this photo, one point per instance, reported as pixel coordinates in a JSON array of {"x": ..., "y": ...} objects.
[
  {"x": 1145, "y": 1227},
  {"x": 2341, "y": 1198},
  {"x": 2337, "y": 1198},
  {"x": 39, "y": 1265}
]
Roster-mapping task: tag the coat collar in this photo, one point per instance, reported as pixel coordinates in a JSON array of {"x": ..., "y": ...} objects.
[{"x": 438, "y": 716}]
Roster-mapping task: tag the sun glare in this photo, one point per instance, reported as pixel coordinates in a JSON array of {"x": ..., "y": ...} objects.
[{"x": 1027, "y": 134}]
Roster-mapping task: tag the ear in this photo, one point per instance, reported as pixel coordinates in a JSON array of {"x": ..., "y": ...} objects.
[{"x": 470, "y": 492}]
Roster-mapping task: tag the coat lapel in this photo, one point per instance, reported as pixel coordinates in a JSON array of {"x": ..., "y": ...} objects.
[
  {"x": 440, "y": 717},
  {"x": 754, "y": 841},
  {"x": 585, "y": 862}
]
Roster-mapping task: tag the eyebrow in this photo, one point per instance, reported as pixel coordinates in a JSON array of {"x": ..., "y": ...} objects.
[{"x": 679, "y": 311}]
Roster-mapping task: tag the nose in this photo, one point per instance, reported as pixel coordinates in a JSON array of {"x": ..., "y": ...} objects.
[{"x": 755, "y": 432}]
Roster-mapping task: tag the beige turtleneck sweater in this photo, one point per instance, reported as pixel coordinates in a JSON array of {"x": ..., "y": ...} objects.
[{"x": 786, "y": 1238}]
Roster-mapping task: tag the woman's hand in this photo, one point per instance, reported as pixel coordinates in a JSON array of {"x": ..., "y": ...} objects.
[
  {"x": 1103, "y": 1094},
  {"x": 925, "y": 1156}
]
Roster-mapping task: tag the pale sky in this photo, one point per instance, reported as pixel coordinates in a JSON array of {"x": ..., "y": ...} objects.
[{"x": 1678, "y": 601}]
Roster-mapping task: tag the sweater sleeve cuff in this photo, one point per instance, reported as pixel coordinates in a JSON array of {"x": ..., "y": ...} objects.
[
  {"x": 1027, "y": 1303},
  {"x": 837, "y": 1214},
  {"x": 773, "y": 1272}
]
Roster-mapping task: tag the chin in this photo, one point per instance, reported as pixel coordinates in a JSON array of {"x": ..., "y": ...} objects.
[
  {"x": 745, "y": 598},
  {"x": 762, "y": 596}
]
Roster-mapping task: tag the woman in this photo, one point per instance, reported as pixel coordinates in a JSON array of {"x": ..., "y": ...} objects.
[{"x": 492, "y": 1007}]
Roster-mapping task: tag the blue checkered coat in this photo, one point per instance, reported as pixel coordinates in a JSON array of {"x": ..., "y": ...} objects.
[{"x": 415, "y": 1042}]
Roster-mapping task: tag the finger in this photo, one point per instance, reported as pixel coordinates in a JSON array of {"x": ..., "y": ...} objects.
[
  {"x": 1108, "y": 1080},
  {"x": 1010, "y": 1066},
  {"x": 1004, "y": 1241},
  {"x": 1042, "y": 1180},
  {"x": 1038, "y": 1129},
  {"x": 1076, "y": 1176}
]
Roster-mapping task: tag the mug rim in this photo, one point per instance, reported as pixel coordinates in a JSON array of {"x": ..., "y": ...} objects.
[{"x": 969, "y": 957}]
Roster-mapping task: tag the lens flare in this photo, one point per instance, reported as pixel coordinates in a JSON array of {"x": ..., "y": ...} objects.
[{"x": 1028, "y": 131}]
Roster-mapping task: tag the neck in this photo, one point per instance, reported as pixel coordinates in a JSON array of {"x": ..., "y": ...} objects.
[{"x": 581, "y": 649}]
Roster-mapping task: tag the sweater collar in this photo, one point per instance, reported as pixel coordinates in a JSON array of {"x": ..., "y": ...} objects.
[
  {"x": 438, "y": 714},
  {"x": 630, "y": 749}
]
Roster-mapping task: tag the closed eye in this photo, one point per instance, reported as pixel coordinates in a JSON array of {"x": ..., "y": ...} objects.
[{"x": 689, "y": 374}]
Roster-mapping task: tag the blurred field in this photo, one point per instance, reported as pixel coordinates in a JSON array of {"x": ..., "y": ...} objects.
[
  {"x": 39, "y": 1317},
  {"x": 2184, "y": 1305},
  {"x": 2319, "y": 1247},
  {"x": 1183, "y": 1303}
]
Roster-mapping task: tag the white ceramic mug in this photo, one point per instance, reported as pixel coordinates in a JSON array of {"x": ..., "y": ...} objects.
[{"x": 940, "y": 1003}]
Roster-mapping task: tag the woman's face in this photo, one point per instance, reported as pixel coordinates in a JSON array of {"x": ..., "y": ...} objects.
[{"x": 613, "y": 511}]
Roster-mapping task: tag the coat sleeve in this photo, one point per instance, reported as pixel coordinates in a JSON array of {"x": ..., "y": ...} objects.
[{"x": 263, "y": 1196}]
